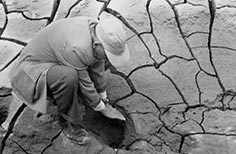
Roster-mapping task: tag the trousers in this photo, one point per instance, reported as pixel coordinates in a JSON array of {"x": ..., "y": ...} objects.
[{"x": 63, "y": 88}]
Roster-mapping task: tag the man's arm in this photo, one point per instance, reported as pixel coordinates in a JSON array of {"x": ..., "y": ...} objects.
[
  {"x": 98, "y": 76},
  {"x": 88, "y": 89}
]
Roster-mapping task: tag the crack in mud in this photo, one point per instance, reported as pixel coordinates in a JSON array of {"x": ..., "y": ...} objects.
[
  {"x": 162, "y": 111},
  {"x": 51, "y": 142}
]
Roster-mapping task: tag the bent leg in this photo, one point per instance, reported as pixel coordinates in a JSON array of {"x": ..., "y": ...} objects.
[{"x": 63, "y": 86}]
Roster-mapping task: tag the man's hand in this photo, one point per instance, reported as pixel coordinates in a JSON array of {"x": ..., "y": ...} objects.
[
  {"x": 112, "y": 113},
  {"x": 106, "y": 109},
  {"x": 103, "y": 95}
]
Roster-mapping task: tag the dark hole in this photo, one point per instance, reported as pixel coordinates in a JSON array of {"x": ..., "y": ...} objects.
[
  {"x": 109, "y": 131},
  {"x": 117, "y": 136}
]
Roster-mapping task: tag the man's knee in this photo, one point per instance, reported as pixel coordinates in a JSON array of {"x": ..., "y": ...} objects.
[
  {"x": 70, "y": 77},
  {"x": 62, "y": 74}
]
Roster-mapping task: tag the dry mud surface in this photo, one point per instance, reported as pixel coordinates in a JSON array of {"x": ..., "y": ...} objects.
[{"x": 177, "y": 92}]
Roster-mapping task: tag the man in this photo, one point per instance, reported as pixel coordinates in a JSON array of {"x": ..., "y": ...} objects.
[{"x": 65, "y": 62}]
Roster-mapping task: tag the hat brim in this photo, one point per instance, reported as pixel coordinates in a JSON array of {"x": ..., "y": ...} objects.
[{"x": 118, "y": 60}]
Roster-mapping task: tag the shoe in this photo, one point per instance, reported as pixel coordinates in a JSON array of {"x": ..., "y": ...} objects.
[
  {"x": 77, "y": 135},
  {"x": 112, "y": 113}
]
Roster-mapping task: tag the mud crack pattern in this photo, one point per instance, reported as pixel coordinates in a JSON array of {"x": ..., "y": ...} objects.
[{"x": 194, "y": 112}]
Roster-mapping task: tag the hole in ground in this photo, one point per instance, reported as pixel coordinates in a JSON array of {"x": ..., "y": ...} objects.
[{"x": 109, "y": 131}]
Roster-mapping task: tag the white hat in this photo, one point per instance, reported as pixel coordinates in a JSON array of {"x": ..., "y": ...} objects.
[{"x": 112, "y": 35}]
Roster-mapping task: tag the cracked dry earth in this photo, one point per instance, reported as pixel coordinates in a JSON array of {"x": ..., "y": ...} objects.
[{"x": 177, "y": 92}]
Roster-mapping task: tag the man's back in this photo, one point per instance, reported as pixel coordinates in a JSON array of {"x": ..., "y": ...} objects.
[{"x": 63, "y": 36}]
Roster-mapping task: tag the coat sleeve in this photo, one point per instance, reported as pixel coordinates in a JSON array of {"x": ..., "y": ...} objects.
[
  {"x": 87, "y": 88},
  {"x": 97, "y": 75}
]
